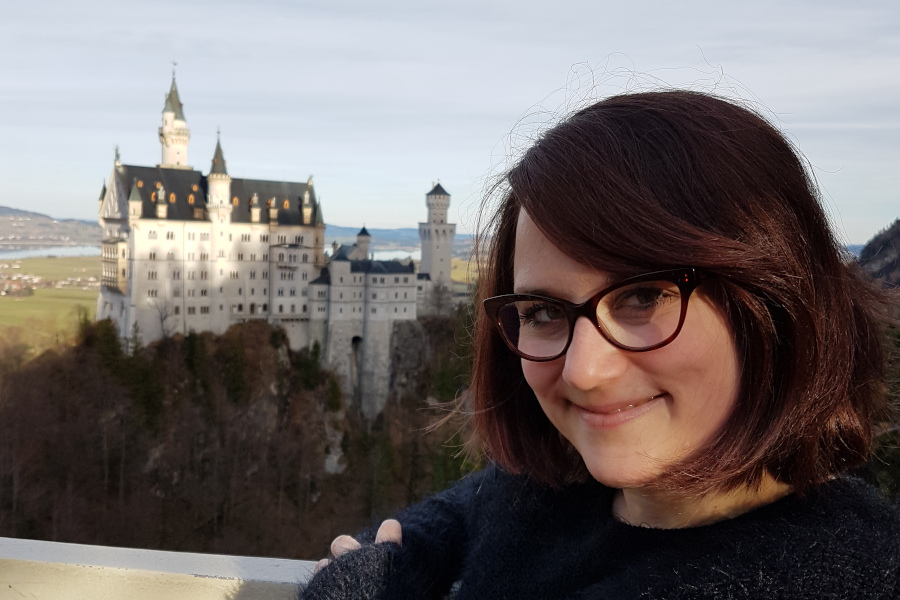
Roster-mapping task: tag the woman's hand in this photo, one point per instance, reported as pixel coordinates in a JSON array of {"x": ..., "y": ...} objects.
[{"x": 389, "y": 531}]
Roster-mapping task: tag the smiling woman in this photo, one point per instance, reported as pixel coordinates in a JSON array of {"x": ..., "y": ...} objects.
[{"x": 676, "y": 365}]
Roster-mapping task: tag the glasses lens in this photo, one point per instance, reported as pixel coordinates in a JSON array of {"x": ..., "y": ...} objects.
[
  {"x": 642, "y": 314},
  {"x": 536, "y": 328}
]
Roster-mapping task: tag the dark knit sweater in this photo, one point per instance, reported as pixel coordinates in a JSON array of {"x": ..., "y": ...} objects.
[{"x": 500, "y": 536}]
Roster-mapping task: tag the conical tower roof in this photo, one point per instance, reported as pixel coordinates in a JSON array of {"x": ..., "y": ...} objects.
[
  {"x": 438, "y": 190},
  {"x": 103, "y": 192},
  {"x": 218, "y": 162},
  {"x": 173, "y": 103},
  {"x": 135, "y": 195}
]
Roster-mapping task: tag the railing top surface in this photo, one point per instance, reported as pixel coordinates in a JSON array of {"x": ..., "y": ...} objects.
[{"x": 245, "y": 568}]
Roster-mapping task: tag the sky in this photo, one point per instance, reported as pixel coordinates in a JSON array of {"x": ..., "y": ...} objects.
[{"x": 379, "y": 99}]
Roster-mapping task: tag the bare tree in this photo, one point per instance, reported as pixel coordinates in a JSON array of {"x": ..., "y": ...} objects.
[{"x": 166, "y": 312}]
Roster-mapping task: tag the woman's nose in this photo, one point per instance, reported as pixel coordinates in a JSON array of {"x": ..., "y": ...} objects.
[{"x": 591, "y": 361}]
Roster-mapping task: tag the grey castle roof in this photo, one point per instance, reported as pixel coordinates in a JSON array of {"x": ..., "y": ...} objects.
[
  {"x": 363, "y": 231},
  {"x": 218, "y": 161},
  {"x": 190, "y": 189},
  {"x": 381, "y": 266},
  {"x": 173, "y": 104},
  {"x": 438, "y": 190}
]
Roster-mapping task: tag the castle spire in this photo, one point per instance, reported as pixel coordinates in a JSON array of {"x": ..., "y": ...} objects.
[
  {"x": 173, "y": 103},
  {"x": 218, "y": 161}
]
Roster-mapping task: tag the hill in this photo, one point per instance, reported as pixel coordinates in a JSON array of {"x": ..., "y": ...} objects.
[
  {"x": 22, "y": 229},
  {"x": 881, "y": 255}
]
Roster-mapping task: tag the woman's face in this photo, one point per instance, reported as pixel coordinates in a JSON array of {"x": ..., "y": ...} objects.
[{"x": 629, "y": 414}]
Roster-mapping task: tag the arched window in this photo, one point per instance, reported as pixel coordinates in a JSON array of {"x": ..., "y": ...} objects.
[
  {"x": 234, "y": 200},
  {"x": 172, "y": 198},
  {"x": 191, "y": 198},
  {"x": 287, "y": 204}
]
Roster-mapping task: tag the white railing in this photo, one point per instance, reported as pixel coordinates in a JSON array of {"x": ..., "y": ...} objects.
[{"x": 54, "y": 571}]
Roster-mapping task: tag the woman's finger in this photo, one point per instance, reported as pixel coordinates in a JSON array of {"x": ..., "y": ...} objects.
[
  {"x": 389, "y": 532},
  {"x": 320, "y": 565},
  {"x": 343, "y": 544}
]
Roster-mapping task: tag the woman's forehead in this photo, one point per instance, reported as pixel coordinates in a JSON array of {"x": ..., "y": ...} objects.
[{"x": 539, "y": 266}]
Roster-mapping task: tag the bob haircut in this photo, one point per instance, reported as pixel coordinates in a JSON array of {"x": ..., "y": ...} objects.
[{"x": 650, "y": 181}]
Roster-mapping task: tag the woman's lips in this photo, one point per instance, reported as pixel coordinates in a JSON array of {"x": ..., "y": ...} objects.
[{"x": 612, "y": 415}]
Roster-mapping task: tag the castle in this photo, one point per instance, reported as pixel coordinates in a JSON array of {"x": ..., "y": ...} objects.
[{"x": 183, "y": 251}]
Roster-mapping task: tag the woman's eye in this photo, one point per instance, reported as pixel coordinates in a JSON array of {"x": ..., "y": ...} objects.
[
  {"x": 646, "y": 296},
  {"x": 541, "y": 313}
]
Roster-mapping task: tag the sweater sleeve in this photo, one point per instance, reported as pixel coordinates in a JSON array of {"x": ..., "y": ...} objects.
[{"x": 434, "y": 534}]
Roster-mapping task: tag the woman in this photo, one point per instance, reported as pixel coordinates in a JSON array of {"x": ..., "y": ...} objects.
[{"x": 688, "y": 437}]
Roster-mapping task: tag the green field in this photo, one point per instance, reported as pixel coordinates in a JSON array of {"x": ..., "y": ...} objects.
[
  {"x": 54, "y": 268},
  {"x": 50, "y": 316}
]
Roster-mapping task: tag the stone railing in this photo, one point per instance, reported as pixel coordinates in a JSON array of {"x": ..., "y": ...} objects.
[{"x": 49, "y": 570}]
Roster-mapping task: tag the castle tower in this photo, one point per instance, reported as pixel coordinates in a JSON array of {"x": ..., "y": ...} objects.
[
  {"x": 363, "y": 239},
  {"x": 436, "y": 237},
  {"x": 174, "y": 134}
]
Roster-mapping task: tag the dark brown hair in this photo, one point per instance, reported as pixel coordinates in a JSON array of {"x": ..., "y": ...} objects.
[{"x": 670, "y": 179}]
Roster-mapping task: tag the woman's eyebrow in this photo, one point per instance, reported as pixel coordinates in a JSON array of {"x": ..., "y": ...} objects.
[{"x": 537, "y": 292}]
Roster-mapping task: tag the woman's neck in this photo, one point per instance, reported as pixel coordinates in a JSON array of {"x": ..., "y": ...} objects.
[{"x": 646, "y": 507}]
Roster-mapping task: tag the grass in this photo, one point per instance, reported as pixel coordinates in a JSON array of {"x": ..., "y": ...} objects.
[
  {"x": 49, "y": 317},
  {"x": 463, "y": 271},
  {"x": 55, "y": 268}
]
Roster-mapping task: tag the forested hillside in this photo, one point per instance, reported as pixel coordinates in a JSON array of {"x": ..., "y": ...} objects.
[{"x": 231, "y": 444}]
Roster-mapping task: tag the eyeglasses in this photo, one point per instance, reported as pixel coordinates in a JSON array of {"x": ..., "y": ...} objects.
[{"x": 636, "y": 314}]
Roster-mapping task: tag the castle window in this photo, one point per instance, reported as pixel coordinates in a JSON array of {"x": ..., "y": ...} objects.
[
  {"x": 170, "y": 235},
  {"x": 293, "y": 292},
  {"x": 395, "y": 309},
  {"x": 240, "y": 308},
  {"x": 281, "y": 291},
  {"x": 153, "y": 197},
  {"x": 151, "y": 293},
  {"x": 374, "y": 296},
  {"x": 204, "y": 256},
  {"x": 305, "y": 258},
  {"x": 170, "y": 256},
  {"x": 176, "y": 274},
  {"x": 264, "y": 238},
  {"x": 265, "y": 274},
  {"x": 204, "y": 237},
  {"x": 303, "y": 276},
  {"x": 373, "y": 310},
  {"x": 240, "y": 256},
  {"x": 296, "y": 239},
  {"x": 252, "y": 291},
  {"x": 396, "y": 280},
  {"x": 172, "y": 198},
  {"x": 194, "y": 187},
  {"x": 292, "y": 306},
  {"x": 280, "y": 257},
  {"x": 235, "y": 201},
  {"x": 265, "y": 307},
  {"x": 176, "y": 293},
  {"x": 151, "y": 235},
  {"x": 203, "y": 292},
  {"x": 191, "y": 198},
  {"x": 381, "y": 280},
  {"x": 252, "y": 274},
  {"x": 245, "y": 237},
  {"x": 153, "y": 256},
  {"x": 286, "y": 206},
  {"x": 140, "y": 183},
  {"x": 191, "y": 310},
  {"x": 203, "y": 274},
  {"x": 281, "y": 308},
  {"x": 406, "y": 280},
  {"x": 266, "y": 256},
  {"x": 304, "y": 308},
  {"x": 204, "y": 310},
  {"x": 252, "y": 257}
]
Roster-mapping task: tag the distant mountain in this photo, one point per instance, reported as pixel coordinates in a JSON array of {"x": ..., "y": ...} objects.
[
  {"x": 22, "y": 229},
  {"x": 881, "y": 256}
]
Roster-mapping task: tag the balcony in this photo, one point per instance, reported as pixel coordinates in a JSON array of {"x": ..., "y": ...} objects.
[{"x": 50, "y": 570}]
